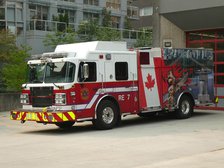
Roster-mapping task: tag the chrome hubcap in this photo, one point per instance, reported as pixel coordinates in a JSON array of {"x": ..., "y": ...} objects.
[
  {"x": 108, "y": 115},
  {"x": 185, "y": 107}
]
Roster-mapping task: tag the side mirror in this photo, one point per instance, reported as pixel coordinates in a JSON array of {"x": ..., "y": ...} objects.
[{"x": 85, "y": 71}]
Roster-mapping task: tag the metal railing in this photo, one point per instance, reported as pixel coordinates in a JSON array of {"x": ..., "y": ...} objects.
[{"x": 46, "y": 25}]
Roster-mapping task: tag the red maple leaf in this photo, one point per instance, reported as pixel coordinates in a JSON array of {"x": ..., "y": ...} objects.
[{"x": 150, "y": 82}]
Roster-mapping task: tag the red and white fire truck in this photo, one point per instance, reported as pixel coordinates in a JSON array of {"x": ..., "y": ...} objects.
[{"x": 103, "y": 81}]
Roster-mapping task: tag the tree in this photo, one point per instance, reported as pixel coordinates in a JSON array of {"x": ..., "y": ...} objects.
[
  {"x": 127, "y": 27},
  {"x": 87, "y": 30},
  {"x": 64, "y": 33},
  {"x": 106, "y": 22},
  {"x": 63, "y": 20},
  {"x": 127, "y": 23},
  {"x": 59, "y": 37},
  {"x": 108, "y": 34},
  {"x": 90, "y": 30},
  {"x": 15, "y": 70},
  {"x": 13, "y": 65},
  {"x": 144, "y": 38},
  {"x": 7, "y": 45}
]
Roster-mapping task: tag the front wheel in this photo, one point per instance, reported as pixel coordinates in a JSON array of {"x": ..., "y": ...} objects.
[
  {"x": 107, "y": 115},
  {"x": 185, "y": 108}
]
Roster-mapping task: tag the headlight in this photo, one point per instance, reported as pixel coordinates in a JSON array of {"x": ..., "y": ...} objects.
[
  {"x": 24, "y": 98},
  {"x": 60, "y": 99}
]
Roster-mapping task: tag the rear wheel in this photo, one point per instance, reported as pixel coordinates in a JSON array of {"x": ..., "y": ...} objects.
[
  {"x": 65, "y": 125},
  {"x": 185, "y": 108},
  {"x": 107, "y": 115}
]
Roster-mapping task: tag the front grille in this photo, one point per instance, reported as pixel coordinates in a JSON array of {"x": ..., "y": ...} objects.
[{"x": 41, "y": 96}]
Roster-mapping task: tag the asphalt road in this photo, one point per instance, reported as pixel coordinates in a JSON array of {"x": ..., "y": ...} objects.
[{"x": 160, "y": 142}]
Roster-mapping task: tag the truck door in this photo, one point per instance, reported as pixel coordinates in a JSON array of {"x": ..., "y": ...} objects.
[
  {"x": 109, "y": 71},
  {"x": 149, "y": 80},
  {"x": 120, "y": 81}
]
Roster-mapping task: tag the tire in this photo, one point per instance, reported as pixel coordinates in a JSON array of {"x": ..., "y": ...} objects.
[
  {"x": 65, "y": 125},
  {"x": 185, "y": 108},
  {"x": 107, "y": 116}
]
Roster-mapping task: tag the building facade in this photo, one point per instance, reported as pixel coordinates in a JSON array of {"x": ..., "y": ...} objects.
[
  {"x": 144, "y": 11},
  {"x": 193, "y": 24},
  {"x": 31, "y": 20}
]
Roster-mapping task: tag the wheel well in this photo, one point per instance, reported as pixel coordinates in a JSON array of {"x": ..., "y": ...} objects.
[
  {"x": 188, "y": 95},
  {"x": 110, "y": 98}
]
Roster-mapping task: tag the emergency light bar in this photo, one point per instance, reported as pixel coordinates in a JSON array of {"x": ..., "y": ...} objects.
[{"x": 48, "y": 55}]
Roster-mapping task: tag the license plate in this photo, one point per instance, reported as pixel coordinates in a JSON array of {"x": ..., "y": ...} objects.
[{"x": 31, "y": 116}]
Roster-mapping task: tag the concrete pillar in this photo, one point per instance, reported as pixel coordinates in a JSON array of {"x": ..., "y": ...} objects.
[
  {"x": 170, "y": 32},
  {"x": 156, "y": 24}
]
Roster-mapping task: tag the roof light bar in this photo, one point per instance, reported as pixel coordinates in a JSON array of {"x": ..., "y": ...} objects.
[{"x": 48, "y": 55}]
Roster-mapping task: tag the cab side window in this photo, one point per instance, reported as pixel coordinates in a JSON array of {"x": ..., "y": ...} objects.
[
  {"x": 92, "y": 72},
  {"x": 121, "y": 71}
]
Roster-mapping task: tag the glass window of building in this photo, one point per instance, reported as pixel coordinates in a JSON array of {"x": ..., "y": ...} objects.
[
  {"x": 19, "y": 12},
  {"x": 38, "y": 12},
  {"x": 2, "y": 25},
  {"x": 71, "y": 14},
  {"x": 2, "y": 3},
  {"x": 113, "y": 4},
  {"x": 115, "y": 21},
  {"x": 90, "y": 16},
  {"x": 147, "y": 11},
  {"x": 132, "y": 12},
  {"x": 11, "y": 11},
  {"x": 68, "y": 0},
  {"x": 19, "y": 15},
  {"x": 38, "y": 15},
  {"x": 2, "y": 13},
  {"x": 91, "y": 2},
  {"x": 11, "y": 4},
  {"x": 11, "y": 14}
]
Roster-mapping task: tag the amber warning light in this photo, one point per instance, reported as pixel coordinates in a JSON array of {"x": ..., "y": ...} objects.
[{"x": 101, "y": 56}]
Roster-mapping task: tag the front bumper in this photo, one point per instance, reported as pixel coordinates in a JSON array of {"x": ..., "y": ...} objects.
[{"x": 43, "y": 117}]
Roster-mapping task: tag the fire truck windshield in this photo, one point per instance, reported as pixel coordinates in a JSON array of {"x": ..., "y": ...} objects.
[{"x": 52, "y": 72}]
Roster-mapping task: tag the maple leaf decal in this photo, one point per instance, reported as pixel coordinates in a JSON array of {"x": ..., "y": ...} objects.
[{"x": 150, "y": 82}]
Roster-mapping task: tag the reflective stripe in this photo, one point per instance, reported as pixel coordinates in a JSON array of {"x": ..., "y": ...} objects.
[
  {"x": 92, "y": 101},
  {"x": 56, "y": 108},
  {"x": 65, "y": 116},
  {"x": 106, "y": 90},
  {"x": 43, "y": 116},
  {"x": 59, "y": 116},
  {"x": 80, "y": 106},
  {"x": 72, "y": 115}
]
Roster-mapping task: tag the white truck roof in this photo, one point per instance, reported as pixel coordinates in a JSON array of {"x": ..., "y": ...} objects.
[
  {"x": 93, "y": 46},
  {"x": 82, "y": 50}
]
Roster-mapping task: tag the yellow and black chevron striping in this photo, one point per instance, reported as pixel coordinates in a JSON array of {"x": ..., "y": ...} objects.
[{"x": 47, "y": 117}]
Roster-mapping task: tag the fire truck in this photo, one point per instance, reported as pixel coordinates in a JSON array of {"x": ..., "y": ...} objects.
[{"x": 103, "y": 81}]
